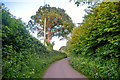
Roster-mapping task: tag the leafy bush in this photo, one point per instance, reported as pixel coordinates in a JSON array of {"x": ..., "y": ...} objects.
[
  {"x": 96, "y": 42},
  {"x": 99, "y": 34},
  {"x": 31, "y": 66},
  {"x": 96, "y": 67}
]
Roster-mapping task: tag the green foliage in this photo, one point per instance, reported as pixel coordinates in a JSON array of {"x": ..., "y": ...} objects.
[
  {"x": 31, "y": 66},
  {"x": 98, "y": 36},
  {"x": 49, "y": 45},
  {"x": 63, "y": 49},
  {"x": 96, "y": 68},
  {"x": 82, "y": 2},
  {"x": 23, "y": 56},
  {"x": 58, "y": 23}
]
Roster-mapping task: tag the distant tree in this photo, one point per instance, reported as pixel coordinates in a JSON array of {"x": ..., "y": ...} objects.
[
  {"x": 58, "y": 23},
  {"x": 63, "y": 49}
]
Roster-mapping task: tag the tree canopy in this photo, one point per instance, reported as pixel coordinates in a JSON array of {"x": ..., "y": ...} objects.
[{"x": 58, "y": 23}]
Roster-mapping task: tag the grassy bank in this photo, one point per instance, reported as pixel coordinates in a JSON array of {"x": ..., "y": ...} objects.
[
  {"x": 96, "y": 68},
  {"x": 33, "y": 66}
]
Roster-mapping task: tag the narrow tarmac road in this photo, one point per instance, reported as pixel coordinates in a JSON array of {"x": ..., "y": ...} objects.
[{"x": 62, "y": 69}]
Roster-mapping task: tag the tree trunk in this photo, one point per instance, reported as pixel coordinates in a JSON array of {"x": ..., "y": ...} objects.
[
  {"x": 48, "y": 37},
  {"x": 49, "y": 34},
  {"x": 44, "y": 30}
]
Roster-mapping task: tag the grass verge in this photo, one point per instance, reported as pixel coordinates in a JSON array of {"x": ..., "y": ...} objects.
[{"x": 96, "y": 67}]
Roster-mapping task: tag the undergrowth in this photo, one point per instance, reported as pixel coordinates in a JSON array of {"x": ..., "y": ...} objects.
[{"x": 96, "y": 68}]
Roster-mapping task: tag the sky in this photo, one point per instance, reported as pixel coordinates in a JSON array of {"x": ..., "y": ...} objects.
[{"x": 26, "y": 8}]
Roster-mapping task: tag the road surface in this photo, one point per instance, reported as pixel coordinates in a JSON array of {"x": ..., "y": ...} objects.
[{"x": 62, "y": 69}]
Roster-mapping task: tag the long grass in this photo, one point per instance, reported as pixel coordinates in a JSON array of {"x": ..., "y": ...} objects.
[
  {"x": 96, "y": 67},
  {"x": 33, "y": 66}
]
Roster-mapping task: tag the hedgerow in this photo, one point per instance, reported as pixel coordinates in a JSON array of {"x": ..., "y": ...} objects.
[
  {"x": 23, "y": 56},
  {"x": 96, "y": 41}
]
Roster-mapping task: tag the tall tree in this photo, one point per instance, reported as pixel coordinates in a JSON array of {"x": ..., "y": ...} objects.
[{"x": 58, "y": 23}]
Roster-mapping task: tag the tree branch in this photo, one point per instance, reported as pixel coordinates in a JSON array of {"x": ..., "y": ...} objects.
[
  {"x": 57, "y": 30},
  {"x": 38, "y": 28}
]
